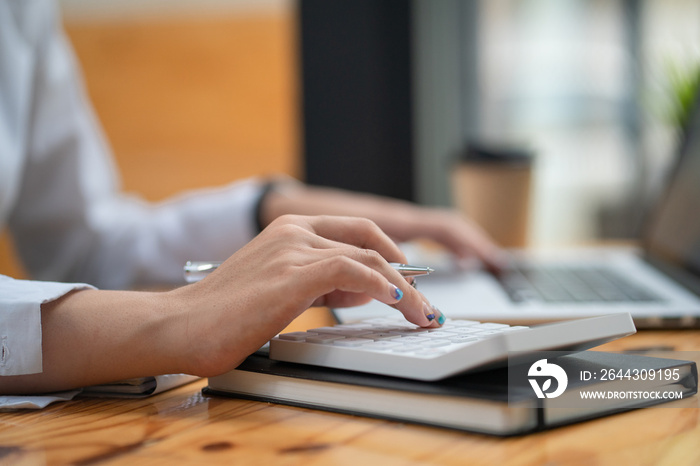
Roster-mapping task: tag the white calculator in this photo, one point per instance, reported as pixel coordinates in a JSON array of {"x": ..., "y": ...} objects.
[{"x": 395, "y": 347}]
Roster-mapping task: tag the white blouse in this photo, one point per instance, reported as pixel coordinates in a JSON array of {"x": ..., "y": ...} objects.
[{"x": 60, "y": 198}]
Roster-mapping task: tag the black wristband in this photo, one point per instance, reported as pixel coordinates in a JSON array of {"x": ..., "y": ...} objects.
[{"x": 257, "y": 211}]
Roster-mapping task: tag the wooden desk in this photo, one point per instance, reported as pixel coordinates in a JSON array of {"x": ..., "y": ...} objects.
[{"x": 183, "y": 426}]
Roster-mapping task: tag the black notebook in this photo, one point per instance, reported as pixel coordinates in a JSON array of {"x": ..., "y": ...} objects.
[{"x": 482, "y": 402}]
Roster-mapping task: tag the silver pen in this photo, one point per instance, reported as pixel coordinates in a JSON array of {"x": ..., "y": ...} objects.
[{"x": 197, "y": 270}]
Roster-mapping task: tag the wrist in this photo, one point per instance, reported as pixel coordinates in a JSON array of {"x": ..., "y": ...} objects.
[
  {"x": 275, "y": 198},
  {"x": 200, "y": 337}
]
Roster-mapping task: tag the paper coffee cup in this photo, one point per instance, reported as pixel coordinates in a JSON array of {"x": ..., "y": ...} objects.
[{"x": 491, "y": 186}]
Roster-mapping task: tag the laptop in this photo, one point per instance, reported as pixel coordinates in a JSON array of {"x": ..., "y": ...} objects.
[{"x": 658, "y": 283}]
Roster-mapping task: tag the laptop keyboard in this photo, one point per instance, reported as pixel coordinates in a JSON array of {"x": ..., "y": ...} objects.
[{"x": 571, "y": 284}]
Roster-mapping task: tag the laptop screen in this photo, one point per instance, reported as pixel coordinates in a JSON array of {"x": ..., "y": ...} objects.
[{"x": 673, "y": 234}]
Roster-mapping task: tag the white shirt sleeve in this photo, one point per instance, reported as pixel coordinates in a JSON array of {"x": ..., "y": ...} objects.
[
  {"x": 20, "y": 325},
  {"x": 70, "y": 222}
]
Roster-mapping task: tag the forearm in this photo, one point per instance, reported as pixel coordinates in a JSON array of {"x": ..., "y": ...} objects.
[{"x": 92, "y": 337}]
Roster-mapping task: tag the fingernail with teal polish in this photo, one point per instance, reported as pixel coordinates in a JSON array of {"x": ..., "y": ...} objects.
[
  {"x": 398, "y": 294},
  {"x": 440, "y": 316},
  {"x": 428, "y": 311}
]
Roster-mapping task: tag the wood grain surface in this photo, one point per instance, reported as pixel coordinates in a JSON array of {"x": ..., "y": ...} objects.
[{"x": 184, "y": 427}]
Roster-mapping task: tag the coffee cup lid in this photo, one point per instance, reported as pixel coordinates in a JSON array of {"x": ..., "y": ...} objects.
[{"x": 496, "y": 153}]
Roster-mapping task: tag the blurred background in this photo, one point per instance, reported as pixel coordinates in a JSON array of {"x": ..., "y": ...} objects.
[{"x": 385, "y": 96}]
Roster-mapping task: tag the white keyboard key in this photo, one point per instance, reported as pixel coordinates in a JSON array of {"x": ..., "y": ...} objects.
[
  {"x": 440, "y": 335},
  {"x": 296, "y": 336},
  {"x": 389, "y": 322},
  {"x": 409, "y": 331},
  {"x": 490, "y": 326},
  {"x": 381, "y": 345},
  {"x": 492, "y": 332},
  {"x": 464, "y": 339},
  {"x": 359, "y": 326},
  {"x": 463, "y": 323},
  {"x": 381, "y": 336},
  {"x": 351, "y": 341},
  {"x": 436, "y": 343},
  {"x": 340, "y": 330},
  {"x": 413, "y": 340},
  {"x": 323, "y": 339},
  {"x": 466, "y": 330}
]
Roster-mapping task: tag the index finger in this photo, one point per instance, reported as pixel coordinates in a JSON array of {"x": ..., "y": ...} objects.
[{"x": 359, "y": 232}]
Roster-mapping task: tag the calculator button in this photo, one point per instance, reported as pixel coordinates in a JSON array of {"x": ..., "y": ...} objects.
[
  {"x": 410, "y": 331},
  {"x": 296, "y": 336},
  {"x": 491, "y": 326},
  {"x": 466, "y": 330},
  {"x": 414, "y": 339},
  {"x": 351, "y": 341},
  {"x": 440, "y": 334},
  {"x": 381, "y": 345},
  {"x": 436, "y": 343},
  {"x": 381, "y": 336},
  {"x": 464, "y": 339},
  {"x": 323, "y": 339},
  {"x": 358, "y": 326},
  {"x": 389, "y": 322},
  {"x": 340, "y": 330},
  {"x": 493, "y": 332},
  {"x": 463, "y": 323}
]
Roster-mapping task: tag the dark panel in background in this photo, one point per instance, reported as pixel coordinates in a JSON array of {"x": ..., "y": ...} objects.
[{"x": 356, "y": 77}]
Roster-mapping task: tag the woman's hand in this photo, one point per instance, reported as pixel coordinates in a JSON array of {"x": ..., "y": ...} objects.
[
  {"x": 402, "y": 221},
  {"x": 295, "y": 263}
]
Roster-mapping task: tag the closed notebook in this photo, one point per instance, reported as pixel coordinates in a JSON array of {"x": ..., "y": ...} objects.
[
  {"x": 478, "y": 402},
  {"x": 139, "y": 387}
]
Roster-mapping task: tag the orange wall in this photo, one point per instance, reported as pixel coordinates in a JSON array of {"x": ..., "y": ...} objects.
[{"x": 187, "y": 103}]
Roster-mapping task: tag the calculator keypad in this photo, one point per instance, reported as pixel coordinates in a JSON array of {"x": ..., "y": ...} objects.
[{"x": 391, "y": 335}]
